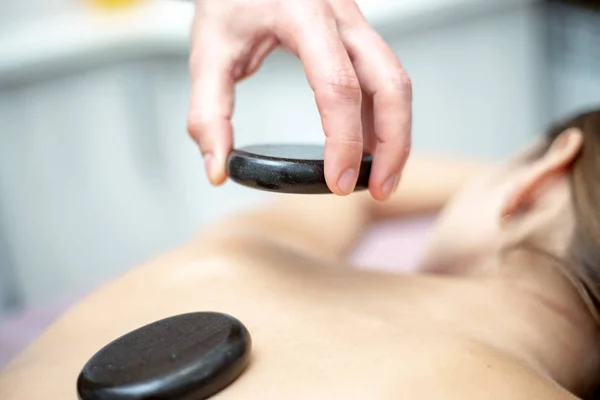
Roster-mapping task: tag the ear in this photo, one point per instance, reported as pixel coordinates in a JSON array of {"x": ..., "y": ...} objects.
[{"x": 557, "y": 159}]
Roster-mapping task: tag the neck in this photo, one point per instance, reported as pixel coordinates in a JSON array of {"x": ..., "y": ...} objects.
[{"x": 556, "y": 331}]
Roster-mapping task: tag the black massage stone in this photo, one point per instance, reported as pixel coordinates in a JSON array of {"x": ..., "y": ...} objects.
[
  {"x": 185, "y": 357},
  {"x": 287, "y": 168}
]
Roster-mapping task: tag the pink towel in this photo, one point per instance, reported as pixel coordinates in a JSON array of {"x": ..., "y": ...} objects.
[
  {"x": 394, "y": 246},
  {"x": 19, "y": 330}
]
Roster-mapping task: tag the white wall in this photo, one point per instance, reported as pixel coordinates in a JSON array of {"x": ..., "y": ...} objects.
[
  {"x": 15, "y": 11},
  {"x": 97, "y": 172},
  {"x": 575, "y": 60}
]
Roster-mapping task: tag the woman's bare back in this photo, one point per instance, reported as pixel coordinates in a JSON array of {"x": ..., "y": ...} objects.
[{"x": 320, "y": 330}]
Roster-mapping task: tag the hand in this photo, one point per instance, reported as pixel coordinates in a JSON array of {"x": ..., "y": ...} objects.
[{"x": 363, "y": 94}]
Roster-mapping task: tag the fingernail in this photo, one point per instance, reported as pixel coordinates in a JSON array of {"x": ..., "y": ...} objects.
[
  {"x": 210, "y": 166},
  {"x": 347, "y": 181},
  {"x": 390, "y": 185}
]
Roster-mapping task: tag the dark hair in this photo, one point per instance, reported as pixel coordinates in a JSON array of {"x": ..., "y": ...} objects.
[{"x": 584, "y": 250}]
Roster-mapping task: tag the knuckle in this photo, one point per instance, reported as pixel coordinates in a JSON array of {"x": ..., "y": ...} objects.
[
  {"x": 351, "y": 139},
  {"x": 404, "y": 151},
  {"x": 354, "y": 141},
  {"x": 398, "y": 138},
  {"x": 196, "y": 124},
  {"x": 401, "y": 81},
  {"x": 344, "y": 83},
  {"x": 407, "y": 146}
]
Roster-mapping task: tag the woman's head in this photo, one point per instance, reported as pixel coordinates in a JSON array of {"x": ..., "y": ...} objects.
[{"x": 547, "y": 198}]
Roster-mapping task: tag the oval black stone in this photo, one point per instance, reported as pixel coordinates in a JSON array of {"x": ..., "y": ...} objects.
[
  {"x": 287, "y": 168},
  {"x": 190, "y": 356}
]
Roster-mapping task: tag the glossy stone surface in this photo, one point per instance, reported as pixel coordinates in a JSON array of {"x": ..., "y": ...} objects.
[
  {"x": 189, "y": 356},
  {"x": 287, "y": 168}
]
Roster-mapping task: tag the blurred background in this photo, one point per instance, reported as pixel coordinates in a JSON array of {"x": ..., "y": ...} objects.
[{"x": 97, "y": 172}]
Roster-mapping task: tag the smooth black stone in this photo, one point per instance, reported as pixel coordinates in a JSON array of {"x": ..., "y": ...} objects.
[
  {"x": 287, "y": 168},
  {"x": 185, "y": 357}
]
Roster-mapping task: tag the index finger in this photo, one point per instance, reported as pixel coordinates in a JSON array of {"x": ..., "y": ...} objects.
[
  {"x": 211, "y": 107},
  {"x": 337, "y": 93}
]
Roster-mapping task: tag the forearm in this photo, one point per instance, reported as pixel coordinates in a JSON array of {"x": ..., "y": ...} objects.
[
  {"x": 329, "y": 226},
  {"x": 427, "y": 183},
  {"x": 321, "y": 226}
]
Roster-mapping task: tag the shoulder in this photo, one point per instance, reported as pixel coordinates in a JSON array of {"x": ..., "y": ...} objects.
[{"x": 484, "y": 371}]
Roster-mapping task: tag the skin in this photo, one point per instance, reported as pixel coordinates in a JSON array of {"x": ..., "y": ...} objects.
[
  {"x": 362, "y": 92},
  {"x": 487, "y": 324}
]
